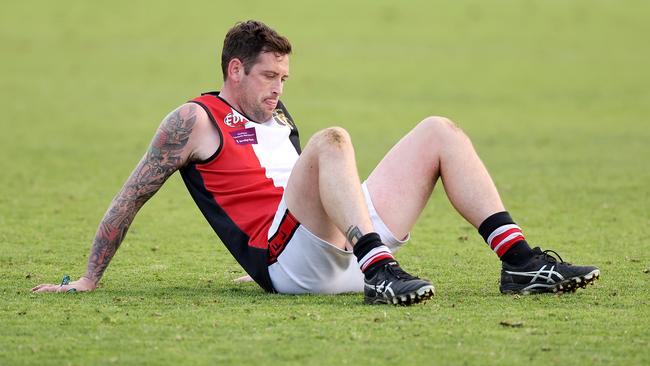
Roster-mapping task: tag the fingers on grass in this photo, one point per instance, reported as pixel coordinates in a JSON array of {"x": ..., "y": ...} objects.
[
  {"x": 51, "y": 288},
  {"x": 243, "y": 279},
  {"x": 41, "y": 287}
]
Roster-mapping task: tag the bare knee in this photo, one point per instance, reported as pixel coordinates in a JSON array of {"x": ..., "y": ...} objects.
[
  {"x": 436, "y": 127},
  {"x": 332, "y": 137},
  {"x": 440, "y": 124}
]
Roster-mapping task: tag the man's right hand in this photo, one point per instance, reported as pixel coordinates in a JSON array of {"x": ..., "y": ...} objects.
[{"x": 80, "y": 285}]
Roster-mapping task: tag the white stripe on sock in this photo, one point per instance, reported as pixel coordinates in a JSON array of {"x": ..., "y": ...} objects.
[
  {"x": 507, "y": 239},
  {"x": 500, "y": 230},
  {"x": 372, "y": 254}
]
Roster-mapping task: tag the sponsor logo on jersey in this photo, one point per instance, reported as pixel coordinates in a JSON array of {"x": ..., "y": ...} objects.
[
  {"x": 246, "y": 136},
  {"x": 234, "y": 119},
  {"x": 281, "y": 118}
]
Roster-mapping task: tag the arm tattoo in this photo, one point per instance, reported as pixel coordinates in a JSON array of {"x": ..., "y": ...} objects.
[
  {"x": 164, "y": 157},
  {"x": 353, "y": 234}
]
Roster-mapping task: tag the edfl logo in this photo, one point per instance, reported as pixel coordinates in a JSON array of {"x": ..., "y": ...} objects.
[{"x": 234, "y": 119}]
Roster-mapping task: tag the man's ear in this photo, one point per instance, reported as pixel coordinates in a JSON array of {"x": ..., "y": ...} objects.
[{"x": 235, "y": 70}]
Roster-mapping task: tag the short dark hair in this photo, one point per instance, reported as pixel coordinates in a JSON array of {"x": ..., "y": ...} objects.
[{"x": 246, "y": 40}]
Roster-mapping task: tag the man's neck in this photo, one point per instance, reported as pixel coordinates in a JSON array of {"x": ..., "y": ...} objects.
[{"x": 226, "y": 94}]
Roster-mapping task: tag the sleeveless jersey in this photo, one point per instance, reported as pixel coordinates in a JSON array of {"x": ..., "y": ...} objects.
[{"x": 238, "y": 189}]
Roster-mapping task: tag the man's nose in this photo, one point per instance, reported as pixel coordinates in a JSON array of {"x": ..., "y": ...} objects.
[{"x": 277, "y": 87}]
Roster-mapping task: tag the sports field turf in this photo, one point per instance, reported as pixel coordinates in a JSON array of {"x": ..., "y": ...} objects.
[{"x": 555, "y": 95}]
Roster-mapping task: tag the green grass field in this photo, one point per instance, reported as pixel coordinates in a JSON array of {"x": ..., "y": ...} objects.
[{"x": 555, "y": 95}]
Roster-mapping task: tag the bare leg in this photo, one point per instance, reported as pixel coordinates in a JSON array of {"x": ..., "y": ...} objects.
[
  {"x": 401, "y": 184},
  {"x": 324, "y": 191},
  {"x": 324, "y": 194}
]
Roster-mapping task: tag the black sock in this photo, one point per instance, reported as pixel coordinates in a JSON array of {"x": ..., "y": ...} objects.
[
  {"x": 371, "y": 254},
  {"x": 506, "y": 239}
]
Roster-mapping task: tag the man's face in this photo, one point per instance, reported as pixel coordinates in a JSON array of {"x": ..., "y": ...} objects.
[{"x": 262, "y": 87}]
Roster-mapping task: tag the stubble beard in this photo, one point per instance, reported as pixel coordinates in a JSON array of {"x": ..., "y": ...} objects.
[
  {"x": 251, "y": 107},
  {"x": 257, "y": 112},
  {"x": 260, "y": 115}
]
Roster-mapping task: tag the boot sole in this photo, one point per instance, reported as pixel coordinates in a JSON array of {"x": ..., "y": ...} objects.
[
  {"x": 566, "y": 286},
  {"x": 421, "y": 295}
]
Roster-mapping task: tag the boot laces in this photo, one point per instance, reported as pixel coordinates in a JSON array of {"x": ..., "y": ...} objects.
[
  {"x": 548, "y": 256},
  {"x": 398, "y": 272}
]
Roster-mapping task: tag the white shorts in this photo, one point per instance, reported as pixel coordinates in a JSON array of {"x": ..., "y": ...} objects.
[{"x": 308, "y": 264}]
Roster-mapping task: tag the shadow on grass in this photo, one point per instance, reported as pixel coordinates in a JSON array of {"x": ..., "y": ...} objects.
[{"x": 227, "y": 295}]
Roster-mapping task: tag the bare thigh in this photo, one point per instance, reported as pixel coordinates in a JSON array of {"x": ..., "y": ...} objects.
[
  {"x": 302, "y": 196},
  {"x": 402, "y": 182}
]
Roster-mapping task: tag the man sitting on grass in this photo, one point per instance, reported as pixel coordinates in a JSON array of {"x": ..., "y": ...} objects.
[{"x": 303, "y": 222}]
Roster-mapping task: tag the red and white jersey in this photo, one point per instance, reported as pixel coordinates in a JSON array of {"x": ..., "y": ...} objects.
[{"x": 239, "y": 187}]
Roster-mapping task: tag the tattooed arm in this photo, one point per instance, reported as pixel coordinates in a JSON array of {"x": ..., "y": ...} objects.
[{"x": 175, "y": 143}]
